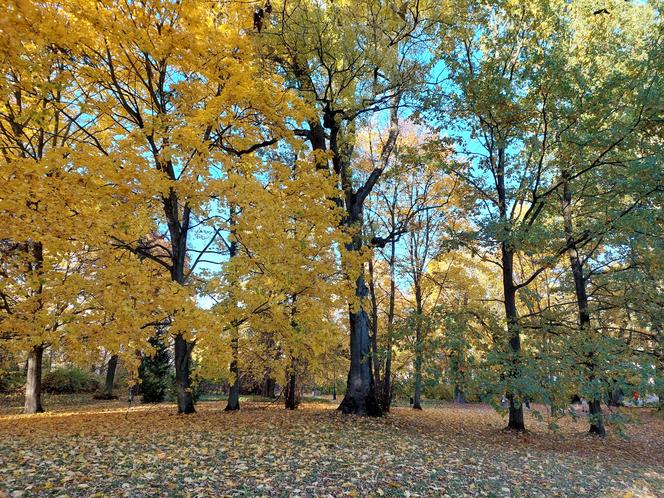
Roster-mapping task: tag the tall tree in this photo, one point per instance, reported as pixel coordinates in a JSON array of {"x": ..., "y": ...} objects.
[
  {"x": 349, "y": 61},
  {"x": 163, "y": 78}
]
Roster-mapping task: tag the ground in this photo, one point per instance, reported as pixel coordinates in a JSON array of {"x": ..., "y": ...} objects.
[{"x": 106, "y": 449}]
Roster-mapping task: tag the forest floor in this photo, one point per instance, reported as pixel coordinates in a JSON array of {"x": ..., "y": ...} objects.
[{"x": 105, "y": 449}]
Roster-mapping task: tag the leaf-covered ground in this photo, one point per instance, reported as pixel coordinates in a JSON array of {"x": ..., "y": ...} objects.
[{"x": 107, "y": 450}]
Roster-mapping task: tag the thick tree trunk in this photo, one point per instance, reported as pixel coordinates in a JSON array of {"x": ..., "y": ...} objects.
[
  {"x": 374, "y": 326},
  {"x": 234, "y": 393},
  {"x": 458, "y": 395},
  {"x": 596, "y": 418},
  {"x": 269, "y": 386},
  {"x": 292, "y": 400},
  {"x": 360, "y": 398},
  {"x": 110, "y": 378},
  {"x": 33, "y": 382},
  {"x": 182, "y": 378}
]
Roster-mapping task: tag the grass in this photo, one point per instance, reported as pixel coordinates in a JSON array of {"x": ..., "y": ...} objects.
[{"x": 107, "y": 449}]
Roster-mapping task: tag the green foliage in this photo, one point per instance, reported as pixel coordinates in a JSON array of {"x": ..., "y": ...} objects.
[
  {"x": 11, "y": 381},
  {"x": 154, "y": 372},
  {"x": 70, "y": 381}
]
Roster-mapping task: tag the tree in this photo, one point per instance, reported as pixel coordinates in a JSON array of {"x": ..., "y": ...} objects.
[
  {"x": 155, "y": 372},
  {"x": 153, "y": 76},
  {"x": 52, "y": 286},
  {"x": 506, "y": 66},
  {"x": 349, "y": 62}
]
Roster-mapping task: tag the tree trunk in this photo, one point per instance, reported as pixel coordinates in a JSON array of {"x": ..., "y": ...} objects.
[
  {"x": 360, "y": 398},
  {"x": 515, "y": 421},
  {"x": 417, "y": 399},
  {"x": 234, "y": 393},
  {"x": 182, "y": 377},
  {"x": 110, "y": 378},
  {"x": 374, "y": 325},
  {"x": 269, "y": 385},
  {"x": 616, "y": 397},
  {"x": 292, "y": 399},
  {"x": 458, "y": 395},
  {"x": 386, "y": 385},
  {"x": 596, "y": 418},
  {"x": 33, "y": 382}
]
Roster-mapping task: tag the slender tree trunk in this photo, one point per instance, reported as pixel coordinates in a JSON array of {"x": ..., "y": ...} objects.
[
  {"x": 515, "y": 421},
  {"x": 110, "y": 378},
  {"x": 179, "y": 231},
  {"x": 334, "y": 387},
  {"x": 182, "y": 374},
  {"x": 360, "y": 395},
  {"x": 33, "y": 382},
  {"x": 417, "y": 399},
  {"x": 234, "y": 393},
  {"x": 660, "y": 366},
  {"x": 596, "y": 418},
  {"x": 386, "y": 386},
  {"x": 615, "y": 397}
]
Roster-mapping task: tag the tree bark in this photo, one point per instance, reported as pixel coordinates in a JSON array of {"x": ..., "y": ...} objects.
[
  {"x": 516, "y": 421},
  {"x": 110, "y": 378},
  {"x": 596, "y": 418},
  {"x": 182, "y": 374},
  {"x": 269, "y": 385},
  {"x": 33, "y": 382},
  {"x": 459, "y": 398},
  {"x": 292, "y": 399},
  {"x": 374, "y": 324},
  {"x": 360, "y": 398},
  {"x": 234, "y": 393},
  {"x": 417, "y": 398},
  {"x": 386, "y": 386}
]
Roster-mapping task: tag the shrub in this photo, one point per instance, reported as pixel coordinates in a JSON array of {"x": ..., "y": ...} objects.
[
  {"x": 70, "y": 381},
  {"x": 11, "y": 381}
]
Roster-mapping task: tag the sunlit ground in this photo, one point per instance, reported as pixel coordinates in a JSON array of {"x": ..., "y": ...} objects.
[{"x": 109, "y": 449}]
